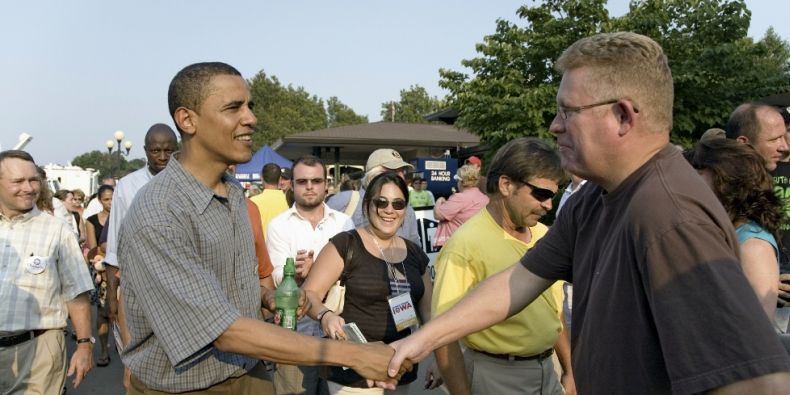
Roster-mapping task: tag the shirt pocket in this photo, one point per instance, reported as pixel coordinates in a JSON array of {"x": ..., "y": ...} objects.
[{"x": 37, "y": 273}]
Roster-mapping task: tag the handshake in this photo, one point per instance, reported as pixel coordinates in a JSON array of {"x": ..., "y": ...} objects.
[{"x": 384, "y": 364}]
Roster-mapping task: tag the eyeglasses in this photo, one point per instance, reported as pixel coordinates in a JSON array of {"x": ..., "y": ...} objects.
[
  {"x": 304, "y": 181},
  {"x": 540, "y": 194},
  {"x": 563, "y": 111},
  {"x": 382, "y": 203}
]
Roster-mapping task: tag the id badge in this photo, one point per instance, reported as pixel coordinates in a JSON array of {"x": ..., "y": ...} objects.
[
  {"x": 36, "y": 264},
  {"x": 403, "y": 311}
]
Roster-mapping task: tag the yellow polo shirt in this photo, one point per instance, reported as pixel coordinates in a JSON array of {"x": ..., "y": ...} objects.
[
  {"x": 270, "y": 202},
  {"x": 479, "y": 249}
]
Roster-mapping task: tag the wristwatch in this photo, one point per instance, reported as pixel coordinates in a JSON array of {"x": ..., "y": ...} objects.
[{"x": 91, "y": 340}]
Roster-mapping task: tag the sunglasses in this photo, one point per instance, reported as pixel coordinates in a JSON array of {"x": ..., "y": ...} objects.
[
  {"x": 304, "y": 181},
  {"x": 540, "y": 194},
  {"x": 382, "y": 203}
]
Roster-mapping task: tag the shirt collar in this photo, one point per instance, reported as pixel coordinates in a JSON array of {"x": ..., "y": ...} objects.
[
  {"x": 24, "y": 217},
  {"x": 199, "y": 194},
  {"x": 328, "y": 212}
]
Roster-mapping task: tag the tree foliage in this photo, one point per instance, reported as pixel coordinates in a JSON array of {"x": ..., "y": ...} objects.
[
  {"x": 413, "y": 106},
  {"x": 284, "y": 110},
  {"x": 339, "y": 114},
  {"x": 511, "y": 86},
  {"x": 108, "y": 165}
]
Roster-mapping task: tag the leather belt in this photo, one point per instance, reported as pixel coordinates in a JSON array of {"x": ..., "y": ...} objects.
[
  {"x": 9, "y": 341},
  {"x": 539, "y": 357}
]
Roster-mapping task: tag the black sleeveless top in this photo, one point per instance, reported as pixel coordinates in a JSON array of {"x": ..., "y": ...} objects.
[
  {"x": 367, "y": 290},
  {"x": 94, "y": 219}
]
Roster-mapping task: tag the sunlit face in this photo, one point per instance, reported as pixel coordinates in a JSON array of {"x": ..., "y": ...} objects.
[
  {"x": 770, "y": 142},
  {"x": 585, "y": 139},
  {"x": 309, "y": 186},
  {"x": 106, "y": 200},
  {"x": 523, "y": 209},
  {"x": 387, "y": 220},
  {"x": 158, "y": 151},
  {"x": 70, "y": 203},
  {"x": 19, "y": 186},
  {"x": 225, "y": 123}
]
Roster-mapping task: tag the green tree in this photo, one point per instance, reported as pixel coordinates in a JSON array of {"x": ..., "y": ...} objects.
[
  {"x": 108, "y": 165},
  {"x": 511, "y": 87},
  {"x": 339, "y": 114},
  {"x": 283, "y": 110},
  {"x": 413, "y": 106}
]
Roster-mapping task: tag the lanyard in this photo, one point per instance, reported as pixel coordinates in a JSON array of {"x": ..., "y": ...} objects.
[{"x": 390, "y": 265}]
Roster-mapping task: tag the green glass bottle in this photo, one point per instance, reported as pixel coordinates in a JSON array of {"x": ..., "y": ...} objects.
[{"x": 287, "y": 297}]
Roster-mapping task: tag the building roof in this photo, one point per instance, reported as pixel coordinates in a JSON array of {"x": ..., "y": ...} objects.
[
  {"x": 352, "y": 144},
  {"x": 778, "y": 100}
]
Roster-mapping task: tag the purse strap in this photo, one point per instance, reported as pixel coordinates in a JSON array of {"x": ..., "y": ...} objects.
[{"x": 348, "y": 257}]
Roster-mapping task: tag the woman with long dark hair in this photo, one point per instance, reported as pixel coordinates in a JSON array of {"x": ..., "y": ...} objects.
[{"x": 737, "y": 175}]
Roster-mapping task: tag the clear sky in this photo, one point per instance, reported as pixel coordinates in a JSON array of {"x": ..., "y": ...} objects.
[{"x": 73, "y": 72}]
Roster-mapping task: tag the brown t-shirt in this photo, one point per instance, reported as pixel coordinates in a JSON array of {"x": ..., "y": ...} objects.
[{"x": 660, "y": 301}]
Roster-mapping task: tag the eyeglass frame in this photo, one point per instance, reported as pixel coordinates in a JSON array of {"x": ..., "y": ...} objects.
[{"x": 563, "y": 111}]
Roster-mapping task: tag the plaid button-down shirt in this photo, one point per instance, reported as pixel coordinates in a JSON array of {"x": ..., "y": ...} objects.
[
  {"x": 41, "y": 268},
  {"x": 189, "y": 272}
]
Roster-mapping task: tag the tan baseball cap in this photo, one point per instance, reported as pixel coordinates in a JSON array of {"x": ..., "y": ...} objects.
[{"x": 387, "y": 157}]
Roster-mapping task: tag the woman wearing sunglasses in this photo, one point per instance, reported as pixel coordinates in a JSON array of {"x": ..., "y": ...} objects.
[{"x": 388, "y": 290}]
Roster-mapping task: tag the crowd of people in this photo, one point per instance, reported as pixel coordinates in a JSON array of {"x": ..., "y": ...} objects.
[{"x": 675, "y": 258}]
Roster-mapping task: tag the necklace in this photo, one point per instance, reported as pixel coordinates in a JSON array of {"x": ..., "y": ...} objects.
[
  {"x": 390, "y": 265},
  {"x": 381, "y": 251}
]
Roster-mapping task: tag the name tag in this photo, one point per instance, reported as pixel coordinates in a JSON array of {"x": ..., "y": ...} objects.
[
  {"x": 36, "y": 264},
  {"x": 403, "y": 311}
]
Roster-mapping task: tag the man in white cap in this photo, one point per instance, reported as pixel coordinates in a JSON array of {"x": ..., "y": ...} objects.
[{"x": 348, "y": 202}]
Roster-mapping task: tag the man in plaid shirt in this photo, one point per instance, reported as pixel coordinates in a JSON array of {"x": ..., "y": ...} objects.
[{"x": 43, "y": 280}]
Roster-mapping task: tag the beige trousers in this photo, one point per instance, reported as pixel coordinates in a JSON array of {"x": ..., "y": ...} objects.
[
  {"x": 256, "y": 382},
  {"x": 338, "y": 389},
  {"x": 37, "y": 366},
  {"x": 293, "y": 380}
]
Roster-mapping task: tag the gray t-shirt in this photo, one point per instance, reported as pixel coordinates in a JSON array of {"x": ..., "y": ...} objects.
[
  {"x": 408, "y": 230},
  {"x": 660, "y": 301}
]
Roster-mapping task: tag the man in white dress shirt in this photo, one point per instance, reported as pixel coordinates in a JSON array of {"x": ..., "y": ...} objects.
[{"x": 301, "y": 232}]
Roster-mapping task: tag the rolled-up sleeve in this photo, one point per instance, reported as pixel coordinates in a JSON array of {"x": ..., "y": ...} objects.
[{"x": 184, "y": 303}]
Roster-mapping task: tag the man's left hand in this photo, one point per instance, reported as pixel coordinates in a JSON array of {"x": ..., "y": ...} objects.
[
  {"x": 269, "y": 302},
  {"x": 81, "y": 363},
  {"x": 268, "y": 299}
]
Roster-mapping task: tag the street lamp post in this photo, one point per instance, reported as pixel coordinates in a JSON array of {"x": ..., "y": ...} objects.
[
  {"x": 127, "y": 145},
  {"x": 119, "y": 139}
]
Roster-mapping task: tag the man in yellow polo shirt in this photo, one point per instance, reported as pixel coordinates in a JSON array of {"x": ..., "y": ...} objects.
[
  {"x": 514, "y": 356},
  {"x": 271, "y": 202}
]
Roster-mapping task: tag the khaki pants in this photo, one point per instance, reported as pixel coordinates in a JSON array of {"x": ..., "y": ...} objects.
[
  {"x": 256, "y": 382},
  {"x": 294, "y": 380},
  {"x": 37, "y": 366},
  {"x": 338, "y": 389},
  {"x": 490, "y": 375}
]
